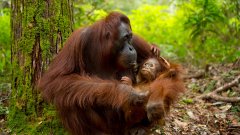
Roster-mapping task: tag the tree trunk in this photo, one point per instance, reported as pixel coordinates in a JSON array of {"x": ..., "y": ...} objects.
[{"x": 39, "y": 28}]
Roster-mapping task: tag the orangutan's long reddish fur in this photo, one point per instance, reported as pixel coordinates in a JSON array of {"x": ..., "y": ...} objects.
[
  {"x": 164, "y": 90},
  {"x": 80, "y": 80},
  {"x": 167, "y": 86}
]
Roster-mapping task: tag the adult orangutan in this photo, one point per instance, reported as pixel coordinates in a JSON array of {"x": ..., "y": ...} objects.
[{"x": 82, "y": 79}]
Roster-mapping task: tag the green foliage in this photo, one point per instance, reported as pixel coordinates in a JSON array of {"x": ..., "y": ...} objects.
[
  {"x": 87, "y": 12},
  {"x": 209, "y": 28},
  {"x": 187, "y": 100},
  {"x": 235, "y": 108},
  {"x": 203, "y": 17},
  {"x": 3, "y": 110},
  {"x": 160, "y": 25},
  {"x": 196, "y": 31},
  {"x": 5, "y": 47},
  {"x": 47, "y": 123},
  {"x": 5, "y": 28}
]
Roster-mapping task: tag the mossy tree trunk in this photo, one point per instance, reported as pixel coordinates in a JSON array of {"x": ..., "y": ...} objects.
[{"x": 39, "y": 28}]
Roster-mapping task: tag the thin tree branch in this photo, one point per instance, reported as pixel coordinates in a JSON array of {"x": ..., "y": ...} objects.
[
  {"x": 228, "y": 85},
  {"x": 213, "y": 94}
]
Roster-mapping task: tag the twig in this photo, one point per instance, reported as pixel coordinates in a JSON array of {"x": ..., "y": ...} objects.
[
  {"x": 196, "y": 76},
  {"x": 213, "y": 94},
  {"x": 228, "y": 85}
]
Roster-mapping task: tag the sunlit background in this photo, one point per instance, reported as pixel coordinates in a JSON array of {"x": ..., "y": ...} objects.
[{"x": 191, "y": 32}]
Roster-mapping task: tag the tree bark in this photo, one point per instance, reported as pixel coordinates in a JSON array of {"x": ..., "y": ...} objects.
[{"x": 38, "y": 30}]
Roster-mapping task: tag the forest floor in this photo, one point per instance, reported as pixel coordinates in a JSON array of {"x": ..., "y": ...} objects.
[
  {"x": 190, "y": 115},
  {"x": 194, "y": 116}
]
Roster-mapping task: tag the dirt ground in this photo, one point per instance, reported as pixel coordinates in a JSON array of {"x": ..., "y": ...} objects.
[{"x": 192, "y": 116}]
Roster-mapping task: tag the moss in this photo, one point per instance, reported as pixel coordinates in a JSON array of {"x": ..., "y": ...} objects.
[{"x": 34, "y": 33}]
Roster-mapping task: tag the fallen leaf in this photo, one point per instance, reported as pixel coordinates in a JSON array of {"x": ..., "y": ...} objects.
[
  {"x": 225, "y": 94},
  {"x": 181, "y": 124},
  {"x": 235, "y": 122},
  {"x": 225, "y": 107},
  {"x": 220, "y": 115},
  {"x": 192, "y": 116},
  {"x": 218, "y": 103}
]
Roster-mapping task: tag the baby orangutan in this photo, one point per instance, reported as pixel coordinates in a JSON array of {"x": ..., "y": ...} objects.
[
  {"x": 148, "y": 72},
  {"x": 163, "y": 80}
]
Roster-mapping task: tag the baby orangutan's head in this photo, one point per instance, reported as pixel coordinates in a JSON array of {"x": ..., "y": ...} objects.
[{"x": 152, "y": 67}]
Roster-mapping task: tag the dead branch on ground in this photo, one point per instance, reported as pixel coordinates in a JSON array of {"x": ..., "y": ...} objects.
[{"x": 214, "y": 94}]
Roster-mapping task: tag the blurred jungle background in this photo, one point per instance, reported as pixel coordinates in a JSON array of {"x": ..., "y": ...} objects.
[{"x": 202, "y": 35}]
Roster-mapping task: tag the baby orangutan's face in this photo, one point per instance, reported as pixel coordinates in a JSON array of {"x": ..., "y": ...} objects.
[{"x": 150, "y": 68}]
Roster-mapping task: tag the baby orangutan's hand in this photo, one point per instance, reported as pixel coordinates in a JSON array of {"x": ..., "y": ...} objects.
[{"x": 126, "y": 80}]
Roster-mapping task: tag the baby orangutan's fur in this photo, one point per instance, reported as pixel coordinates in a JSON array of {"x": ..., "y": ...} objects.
[
  {"x": 164, "y": 87},
  {"x": 164, "y": 90}
]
